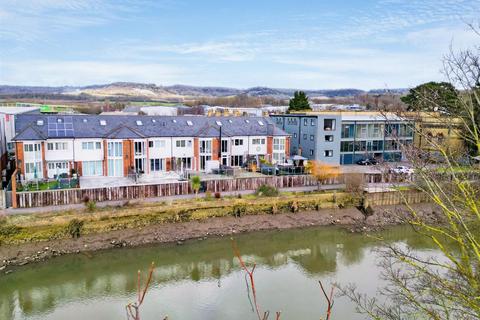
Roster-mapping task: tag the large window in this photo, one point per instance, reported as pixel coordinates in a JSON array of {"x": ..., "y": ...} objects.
[
  {"x": 328, "y": 153},
  {"x": 328, "y": 138},
  {"x": 206, "y": 146},
  {"x": 156, "y": 144},
  {"x": 183, "y": 143},
  {"x": 329, "y": 124},
  {"x": 279, "y": 144},
  {"x": 238, "y": 142},
  {"x": 33, "y": 168},
  {"x": 92, "y": 168},
  {"x": 157, "y": 165},
  {"x": 115, "y": 159},
  {"x": 258, "y": 141},
  {"x": 91, "y": 145},
  {"x": 31, "y": 147},
  {"x": 348, "y": 130},
  {"x": 224, "y": 145},
  {"x": 236, "y": 161}
]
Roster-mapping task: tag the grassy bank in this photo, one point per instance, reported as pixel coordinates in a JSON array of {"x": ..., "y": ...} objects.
[{"x": 16, "y": 229}]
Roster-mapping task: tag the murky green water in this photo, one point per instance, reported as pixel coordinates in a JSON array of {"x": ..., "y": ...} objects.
[{"x": 202, "y": 279}]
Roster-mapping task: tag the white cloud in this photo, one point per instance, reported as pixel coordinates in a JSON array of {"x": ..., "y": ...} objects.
[{"x": 59, "y": 73}]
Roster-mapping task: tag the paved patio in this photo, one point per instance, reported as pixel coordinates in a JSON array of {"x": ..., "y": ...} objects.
[{"x": 103, "y": 182}]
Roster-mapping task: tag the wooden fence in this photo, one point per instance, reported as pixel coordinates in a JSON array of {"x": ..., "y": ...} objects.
[
  {"x": 75, "y": 196},
  {"x": 392, "y": 198}
]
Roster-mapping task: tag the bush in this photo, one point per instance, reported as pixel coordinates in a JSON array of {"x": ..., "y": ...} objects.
[
  {"x": 74, "y": 228},
  {"x": 239, "y": 211},
  {"x": 217, "y": 195},
  {"x": 91, "y": 205},
  {"x": 274, "y": 209},
  {"x": 9, "y": 230},
  {"x": 208, "y": 196},
  {"x": 294, "y": 206},
  {"x": 266, "y": 191}
]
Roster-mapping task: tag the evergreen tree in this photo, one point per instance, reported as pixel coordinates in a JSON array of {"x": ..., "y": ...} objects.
[
  {"x": 299, "y": 102},
  {"x": 433, "y": 96}
]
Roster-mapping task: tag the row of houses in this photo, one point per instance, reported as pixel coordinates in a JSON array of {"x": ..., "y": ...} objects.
[
  {"x": 49, "y": 145},
  {"x": 117, "y": 146}
]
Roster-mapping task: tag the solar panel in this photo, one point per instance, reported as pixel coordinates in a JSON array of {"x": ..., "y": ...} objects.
[{"x": 60, "y": 126}]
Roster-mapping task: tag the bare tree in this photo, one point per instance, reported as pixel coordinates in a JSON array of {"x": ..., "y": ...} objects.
[{"x": 446, "y": 285}]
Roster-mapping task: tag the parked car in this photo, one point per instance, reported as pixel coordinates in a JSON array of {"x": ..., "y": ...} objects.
[
  {"x": 401, "y": 170},
  {"x": 367, "y": 162}
]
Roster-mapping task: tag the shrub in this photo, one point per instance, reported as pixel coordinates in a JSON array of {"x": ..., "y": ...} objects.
[
  {"x": 266, "y": 191},
  {"x": 217, "y": 195},
  {"x": 239, "y": 196},
  {"x": 91, "y": 205},
  {"x": 86, "y": 199},
  {"x": 208, "y": 196},
  {"x": 294, "y": 206},
  {"x": 74, "y": 228},
  {"x": 274, "y": 209},
  {"x": 239, "y": 211},
  {"x": 8, "y": 230}
]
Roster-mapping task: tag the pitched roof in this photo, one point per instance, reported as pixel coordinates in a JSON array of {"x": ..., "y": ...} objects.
[
  {"x": 30, "y": 133},
  {"x": 131, "y": 127}
]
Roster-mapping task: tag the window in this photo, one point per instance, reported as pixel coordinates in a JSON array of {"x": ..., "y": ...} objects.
[
  {"x": 295, "y": 135},
  {"x": 103, "y": 122},
  {"x": 206, "y": 146},
  {"x": 50, "y": 146},
  {"x": 189, "y": 123},
  {"x": 258, "y": 141},
  {"x": 236, "y": 161},
  {"x": 33, "y": 167},
  {"x": 279, "y": 144},
  {"x": 139, "y": 123},
  {"x": 87, "y": 145},
  {"x": 347, "y": 130},
  {"x": 92, "y": 168},
  {"x": 180, "y": 143},
  {"x": 57, "y": 165},
  {"x": 329, "y": 124},
  {"x": 31, "y": 147},
  {"x": 329, "y": 138},
  {"x": 328, "y": 153},
  {"x": 312, "y": 137},
  {"x": 98, "y": 145},
  {"x": 311, "y": 152},
  {"x": 346, "y": 146},
  {"x": 304, "y": 136},
  {"x": 305, "y": 122},
  {"x": 312, "y": 122},
  {"x": 150, "y": 144},
  {"x": 238, "y": 142},
  {"x": 157, "y": 165},
  {"x": 61, "y": 146},
  {"x": 224, "y": 145}
]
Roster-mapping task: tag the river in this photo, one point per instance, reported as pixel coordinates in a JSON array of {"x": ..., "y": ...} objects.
[{"x": 203, "y": 280}]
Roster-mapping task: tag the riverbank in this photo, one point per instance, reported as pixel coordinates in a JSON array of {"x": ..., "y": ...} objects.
[{"x": 12, "y": 256}]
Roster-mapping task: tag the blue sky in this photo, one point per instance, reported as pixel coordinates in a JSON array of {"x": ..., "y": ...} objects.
[{"x": 287, "y": 44}]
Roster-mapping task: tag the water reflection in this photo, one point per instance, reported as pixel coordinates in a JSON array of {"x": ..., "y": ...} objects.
[{"x": 41, "y": 289}]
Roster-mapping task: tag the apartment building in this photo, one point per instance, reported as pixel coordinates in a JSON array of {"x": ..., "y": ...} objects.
[
  {"x": 346, "y": 137},
  {"x": 117, "y": 146}
]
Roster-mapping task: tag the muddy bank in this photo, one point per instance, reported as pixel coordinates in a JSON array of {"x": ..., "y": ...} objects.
[{"x": 354, "y": 220}]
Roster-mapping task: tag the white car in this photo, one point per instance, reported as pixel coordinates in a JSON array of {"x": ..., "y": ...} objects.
[{"x": 401, "y": 170}]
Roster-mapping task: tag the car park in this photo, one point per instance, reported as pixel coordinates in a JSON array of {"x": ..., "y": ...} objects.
[
  {"x": 367, "y": 162},
  {"x": 401, "y": 170}
]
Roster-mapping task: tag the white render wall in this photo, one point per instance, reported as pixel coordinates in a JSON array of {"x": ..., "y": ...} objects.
[
  {"x": 239, "y": 150},
  {"x": 257, "y": 148},
  {"x": 88, "y": 155},
  {"x": 164, "y": 152},
  {"x": 182, "y": 152},
  {"x": 59, "y": 155}
]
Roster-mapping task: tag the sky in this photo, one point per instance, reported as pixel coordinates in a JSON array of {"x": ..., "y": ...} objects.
[{"x": 245, "y": 43}]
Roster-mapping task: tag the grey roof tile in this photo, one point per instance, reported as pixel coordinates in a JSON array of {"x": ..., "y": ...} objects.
[{"x": 127, "y": 127}]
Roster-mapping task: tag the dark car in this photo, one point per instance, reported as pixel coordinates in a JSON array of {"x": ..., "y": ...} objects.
[{"x": 367, "y": 162}]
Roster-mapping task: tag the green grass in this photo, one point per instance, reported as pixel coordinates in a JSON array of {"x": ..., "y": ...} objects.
[{"x": 21, "y": 228}]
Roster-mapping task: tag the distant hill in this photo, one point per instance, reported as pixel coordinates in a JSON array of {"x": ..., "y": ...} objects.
[{"x": 175, "y": 92}]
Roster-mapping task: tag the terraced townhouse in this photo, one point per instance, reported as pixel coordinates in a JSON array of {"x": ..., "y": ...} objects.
[{"x": 117, "y": 146}]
